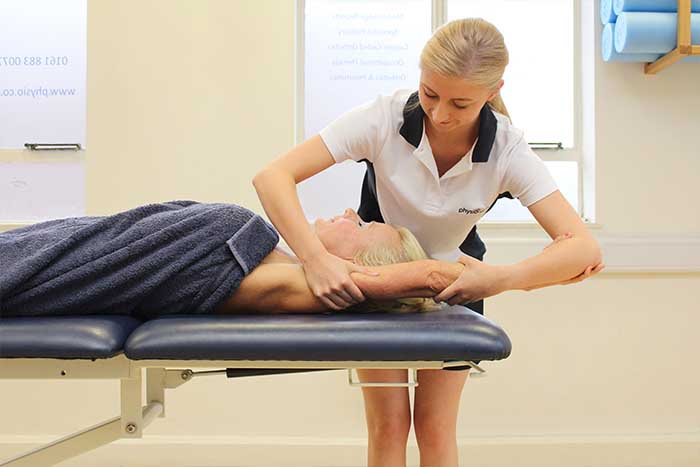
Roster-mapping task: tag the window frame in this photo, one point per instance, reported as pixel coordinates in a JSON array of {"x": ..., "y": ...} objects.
[{"x": 577, "y": 153}]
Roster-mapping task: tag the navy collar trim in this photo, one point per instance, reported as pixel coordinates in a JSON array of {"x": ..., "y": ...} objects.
[{"x": 412, "y": 128}]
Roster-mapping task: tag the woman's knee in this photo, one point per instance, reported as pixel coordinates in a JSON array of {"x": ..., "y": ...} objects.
[
  {"x": 434, "y": 431},
  {"x": 388, "y": 429},
  {"x": 388, "y": 414},
  {"x": 387, "y": 409}
]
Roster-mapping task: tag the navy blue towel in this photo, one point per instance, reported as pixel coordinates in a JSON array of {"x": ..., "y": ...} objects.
[{"x": 165, "y": 258}]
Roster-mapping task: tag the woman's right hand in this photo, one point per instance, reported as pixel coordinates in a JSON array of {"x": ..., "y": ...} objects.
[{"x": 329, "y": 279}]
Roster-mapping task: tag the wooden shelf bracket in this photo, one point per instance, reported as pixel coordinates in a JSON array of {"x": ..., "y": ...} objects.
[{"x": 683, "y": 49}]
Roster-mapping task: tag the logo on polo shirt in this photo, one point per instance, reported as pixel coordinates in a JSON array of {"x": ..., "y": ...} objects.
[{"x": 471, "y": 211}]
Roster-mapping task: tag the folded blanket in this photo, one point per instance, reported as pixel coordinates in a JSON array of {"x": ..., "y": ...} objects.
[{"x": 165, "y": 258}]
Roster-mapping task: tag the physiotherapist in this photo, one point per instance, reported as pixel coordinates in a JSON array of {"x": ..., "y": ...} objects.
[{"x": 437, "y": 160}]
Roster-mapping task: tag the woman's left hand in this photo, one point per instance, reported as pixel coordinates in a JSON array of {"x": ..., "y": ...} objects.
[{"x": 478, "y": 280}]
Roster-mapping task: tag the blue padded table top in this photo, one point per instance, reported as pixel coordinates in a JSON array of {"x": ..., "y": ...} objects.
[
  {"x": 452, "y": 333},
  {"x": 74, "y": 337}
]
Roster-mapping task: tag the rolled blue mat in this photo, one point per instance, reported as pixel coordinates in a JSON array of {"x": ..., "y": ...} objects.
[
  {"x": 610, "y": 55},
  {"x": 641, "y": 33},
  {"x": 607, "y": 15},
  {"x": 668, "y": 6}
]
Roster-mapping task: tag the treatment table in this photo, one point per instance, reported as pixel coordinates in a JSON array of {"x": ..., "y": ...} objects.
[{"x": 120, "y": 347}]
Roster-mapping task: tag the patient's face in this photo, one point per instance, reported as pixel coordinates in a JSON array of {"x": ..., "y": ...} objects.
[{"x": 347, "y": 234}]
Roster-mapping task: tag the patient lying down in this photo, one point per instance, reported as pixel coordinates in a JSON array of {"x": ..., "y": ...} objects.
[
  {"x": 406, "y": 280},
  {"x": 185, "y": 257}
]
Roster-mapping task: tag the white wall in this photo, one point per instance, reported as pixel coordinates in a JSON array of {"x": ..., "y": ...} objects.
[{"x": 189, "y": 102}]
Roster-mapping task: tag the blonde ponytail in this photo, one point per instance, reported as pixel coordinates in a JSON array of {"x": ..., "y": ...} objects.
[{"x": 469, "y": 48}]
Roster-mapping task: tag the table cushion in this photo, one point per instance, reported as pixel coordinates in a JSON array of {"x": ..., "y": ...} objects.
[
  {"x": 453, "y": 333},
  {"x": 75, "y": 337}
]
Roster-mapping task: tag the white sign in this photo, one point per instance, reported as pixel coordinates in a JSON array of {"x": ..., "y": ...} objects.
[{"x": 42, "y": 72}]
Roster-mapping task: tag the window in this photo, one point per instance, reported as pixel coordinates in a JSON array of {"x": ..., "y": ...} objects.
[
  {"x": 347, "y": 43},
  {"x": 42, "y": 101},
  {"x": 354, "y": 50},
  {"x": 539, "y": 84}
]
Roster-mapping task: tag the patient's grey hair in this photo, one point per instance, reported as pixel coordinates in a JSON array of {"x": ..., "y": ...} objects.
[{"x": 378, "y": 255}]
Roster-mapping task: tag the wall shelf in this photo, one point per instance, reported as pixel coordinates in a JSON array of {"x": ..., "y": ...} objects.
[{"x": 683, "y": 49}]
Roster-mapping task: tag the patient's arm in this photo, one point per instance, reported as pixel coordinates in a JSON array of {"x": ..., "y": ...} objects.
[
  {"x": 282, "y": 288},
  {"x": 424, "y": 278},
  {"x": 273, "y": 288}
]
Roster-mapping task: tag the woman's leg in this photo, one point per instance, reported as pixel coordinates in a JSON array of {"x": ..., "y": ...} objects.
[
  {"x": 435, "y": 416},
  {"x": 388, "y": 415}
]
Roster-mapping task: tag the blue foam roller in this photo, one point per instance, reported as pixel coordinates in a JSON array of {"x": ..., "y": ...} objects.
[
  {"x": 641, "y": 33},
  {"x": 607, "y": 15},
  {"x": 667, "y": 6},
  {"x": 610, "y": 55}
]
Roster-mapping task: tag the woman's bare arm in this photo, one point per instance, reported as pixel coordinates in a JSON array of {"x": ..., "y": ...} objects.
[
  {"x": 282, "y": 288},
  {"x": 276, "y": 188}
]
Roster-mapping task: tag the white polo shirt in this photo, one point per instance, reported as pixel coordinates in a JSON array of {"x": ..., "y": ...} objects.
[{"x": 440, "y": 211}]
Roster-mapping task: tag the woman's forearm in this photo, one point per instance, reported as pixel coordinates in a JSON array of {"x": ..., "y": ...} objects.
[
  {"x": 423, "y": 278},
  {"x": 559, "y": 262},
  {"x": 277, "y": 192}
]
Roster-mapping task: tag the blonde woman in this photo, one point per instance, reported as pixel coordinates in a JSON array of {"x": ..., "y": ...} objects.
[{"x": 437, "y": 159}]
